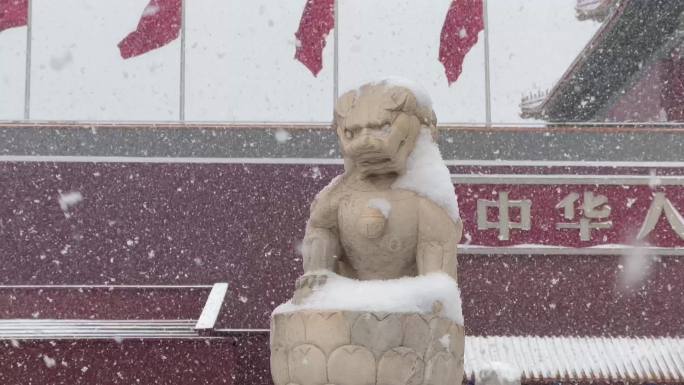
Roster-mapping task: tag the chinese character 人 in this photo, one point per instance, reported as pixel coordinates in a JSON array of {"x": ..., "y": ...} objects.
[{"x": 674, "y": 218}]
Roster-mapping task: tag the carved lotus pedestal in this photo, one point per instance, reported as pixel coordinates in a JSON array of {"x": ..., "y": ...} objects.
[{"x": 312, "y": 347}]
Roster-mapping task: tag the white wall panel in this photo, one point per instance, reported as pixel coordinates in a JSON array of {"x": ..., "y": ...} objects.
[
  {"x": 12, "y": 73},
  {"x": 384, "y": 38},
  {"x": 241, "y": 66},
  {"x": 78, "y": 74}
]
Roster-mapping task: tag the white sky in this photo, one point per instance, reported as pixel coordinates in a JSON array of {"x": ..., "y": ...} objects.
[{"x": 240, "y": 64}]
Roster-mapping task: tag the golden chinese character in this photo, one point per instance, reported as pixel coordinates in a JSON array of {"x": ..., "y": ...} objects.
[
  {"x": 504, "y": 224},
  {"x": 593, "y": 207},
  {"x": 674, "y": 218}
]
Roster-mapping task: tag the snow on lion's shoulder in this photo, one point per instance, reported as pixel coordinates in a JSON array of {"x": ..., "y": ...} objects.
[{"x": 428, "y": 176}]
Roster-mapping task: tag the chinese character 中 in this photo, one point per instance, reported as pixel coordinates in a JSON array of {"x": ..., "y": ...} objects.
[
  {"x": 593, "y": 207},
  {"x": 661, "y": 203},
  {"x": 504, "y": 224}
]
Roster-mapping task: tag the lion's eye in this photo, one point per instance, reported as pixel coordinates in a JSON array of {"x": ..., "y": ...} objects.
[{"x": 348, "y": 133}]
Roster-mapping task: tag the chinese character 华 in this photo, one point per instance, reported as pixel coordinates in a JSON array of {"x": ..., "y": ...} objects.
[{"x": 593, "y": 207}]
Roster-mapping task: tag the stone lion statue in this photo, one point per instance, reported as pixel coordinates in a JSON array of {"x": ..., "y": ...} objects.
[
  {"x": 365, "y": 225},
  {"x": 378, "y": 301}
]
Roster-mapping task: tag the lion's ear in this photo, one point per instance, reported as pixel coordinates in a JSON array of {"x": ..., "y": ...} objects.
[
  {"x": 345, "y": 104},
  {"x": 401, "y": 99}
]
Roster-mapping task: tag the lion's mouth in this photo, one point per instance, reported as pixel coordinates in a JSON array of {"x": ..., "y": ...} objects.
[
  {"x": 376, "y": 165},
  {"x": 374, "y": 161}
]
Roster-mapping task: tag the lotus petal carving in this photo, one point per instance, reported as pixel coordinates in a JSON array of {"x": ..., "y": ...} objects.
[
  {"x": 443, "y": 369},
  {"x": 439, "y": 340},
  {"x": 279, "y": 365},
  {"x": 351, "y": 365},
  {"x": 416, "y": 333},
  {"x": 307, "y": 365},
  {"x": 400, "y": 366},
  {"x": 457, "y": 339},
  {"x": 288, "y": 330},
  {"x": 327, "y": 330},
  {"x": 377, "y": 332}
]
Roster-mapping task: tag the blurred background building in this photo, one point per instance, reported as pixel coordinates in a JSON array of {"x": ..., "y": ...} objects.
[{"x": 632, "y": 70}]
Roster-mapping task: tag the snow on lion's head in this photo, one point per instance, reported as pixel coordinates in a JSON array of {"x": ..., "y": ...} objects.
[{"x": 378, "y": 125}]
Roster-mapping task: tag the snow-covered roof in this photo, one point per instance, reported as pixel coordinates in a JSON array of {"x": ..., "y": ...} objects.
[
  {"x": 633, "y": 35},
  {"x": 611, "y": 359}
]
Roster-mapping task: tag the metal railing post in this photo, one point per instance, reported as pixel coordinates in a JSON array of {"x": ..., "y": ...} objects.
[
  {"x": 181, "y": 101},
  {"x": 336, "y": 57},
  {"x": 27, "y": 76},
  {"x": 488, "y": 91}
]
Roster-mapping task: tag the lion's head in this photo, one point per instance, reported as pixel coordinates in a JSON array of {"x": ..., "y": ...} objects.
[{"x": 377, "y": 126}]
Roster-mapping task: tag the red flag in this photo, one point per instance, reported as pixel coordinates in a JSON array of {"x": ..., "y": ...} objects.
[
  {"x": 317, "y": 20},
  {"x": 13, "y": 13},
  {"x": 459, "y": 34},
  {"x": 159, "y": 25}
]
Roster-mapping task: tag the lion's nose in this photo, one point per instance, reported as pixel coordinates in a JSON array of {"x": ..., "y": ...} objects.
[
  {"x": 367, "y": 139},
  {"x": 367, "y": 143}
]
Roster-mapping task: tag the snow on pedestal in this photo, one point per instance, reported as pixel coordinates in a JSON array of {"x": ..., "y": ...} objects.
[{"x": 416, "y": 295}]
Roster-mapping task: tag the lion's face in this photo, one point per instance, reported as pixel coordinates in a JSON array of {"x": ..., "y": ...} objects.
[{"x": 376, "y": 133}]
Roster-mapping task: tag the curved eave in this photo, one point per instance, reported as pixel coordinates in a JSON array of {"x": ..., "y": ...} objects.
[{"x": 633, "y": 33}]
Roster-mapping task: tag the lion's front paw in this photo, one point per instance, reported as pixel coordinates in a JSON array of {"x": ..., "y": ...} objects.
[
  {"x": 306, "y": 284},
  {"x": 311, "y": 281}
]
